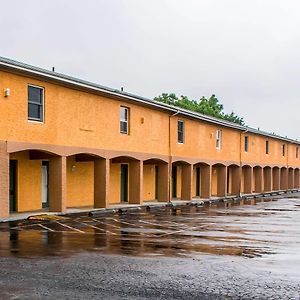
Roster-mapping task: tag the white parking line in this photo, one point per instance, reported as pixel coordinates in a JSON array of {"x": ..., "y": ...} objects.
[
  {"x": 67, "y": 226},
  {"x": 48, "y": 229},
  {"x": 106, "y": 223},
  {"x": 95, "y": 227}
]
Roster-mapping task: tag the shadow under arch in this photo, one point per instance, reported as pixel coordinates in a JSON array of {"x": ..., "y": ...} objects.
[
  {"x": 275, "y": 178},
  {"x": 218, "y": 180},
  {"x": 155, "y": 180}
]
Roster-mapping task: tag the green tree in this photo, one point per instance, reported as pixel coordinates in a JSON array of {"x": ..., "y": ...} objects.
[{"x": 210, "y": 106}]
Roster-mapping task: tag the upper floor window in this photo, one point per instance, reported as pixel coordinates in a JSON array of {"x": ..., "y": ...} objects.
[
  {"x": 267, "y": 147},
  {"x": 246, "y": 143},
  {"x": 180, "y": 125},
  {"x": 297, "y": 151},
  {"x": 283, "y": 149},
  {"x": 35, "y": 103},
  {"x": 219, "y": 139},
  {"x": 124, "y": 120}
]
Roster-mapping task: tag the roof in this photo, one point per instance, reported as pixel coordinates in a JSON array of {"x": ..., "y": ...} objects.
[{"x": 16, "y": 66}]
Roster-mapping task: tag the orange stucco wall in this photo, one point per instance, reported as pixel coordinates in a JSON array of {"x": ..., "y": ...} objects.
[
  {"x": 29, "y": 186},
  {"x": 80, "y": 119}
]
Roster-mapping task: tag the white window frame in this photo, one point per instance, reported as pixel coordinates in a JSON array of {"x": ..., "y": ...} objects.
[
  {"x": 219, "y": 139},
  {"x": 126, "y": 121},
  {"x": 33, "y": 120}
]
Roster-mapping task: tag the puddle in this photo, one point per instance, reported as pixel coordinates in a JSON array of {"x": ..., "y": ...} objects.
[{"x": 254, "y": 228}]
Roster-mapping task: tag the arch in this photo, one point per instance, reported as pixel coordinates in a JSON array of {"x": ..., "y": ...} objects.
[
  {"x": 275, "y": 178},
  {"x": 267, "y": 179},
  {"x": 283, "y": 178},
  {"x": 257, "y": 179},
  {"x": 123, "y": 159},
  {"x": 36, "y": 154},
  {"x": 155, "y": 180},
  {"x": 201, "y": 180},
  {"x": 290, "y": 178},
  {"x": 233, "y": 179},
  {"x": 218, "y": 180},
  {"x": 154, "y": 161},
  {"x": 296, "y": 178},
  {"x": 246, "y": 180}
]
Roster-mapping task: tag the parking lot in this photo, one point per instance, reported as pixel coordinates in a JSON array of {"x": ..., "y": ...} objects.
[{"x": 257, "y": 236}]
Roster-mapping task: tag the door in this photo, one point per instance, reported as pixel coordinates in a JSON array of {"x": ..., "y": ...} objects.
[
  {"x": 156, "y": 182},
  {"x": 124, "y": 183},
  {"x": 174, "y": 182},
  {"x": 198, "y": 182},
  {"x": 45, "y": 179},
  {"x": 12, "y": 185}
]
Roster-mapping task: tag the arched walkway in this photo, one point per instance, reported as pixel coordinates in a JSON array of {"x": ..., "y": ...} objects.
[
  {"x": 246, "y": 182},
  {"x": 37, "y": 175},
  {"x": 126, "y": 180},
  {"x": 290, "y": 178},
  {"x": 182, "y": 178},
  {"x": 283, "y": 178},
  {"x": 276, "y": 179},
  {"x": 87, "y": 180},
  {"x": 257, "y": 179},
  {"x": 155, "y": 180},
  {"x": 297, "y": 178},
  {"x": 218, "y": 181},
  {"x": 267, "y": 174},
  {"x": 201, "y": 180},
  {"x": 233, "y": 180}
]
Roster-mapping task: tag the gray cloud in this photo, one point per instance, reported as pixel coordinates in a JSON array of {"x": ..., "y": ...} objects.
[{"x": 246, "y": 52}]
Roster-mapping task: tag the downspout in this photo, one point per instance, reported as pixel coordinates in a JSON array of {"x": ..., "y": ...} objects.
[
  {"x": 241, "y": 170},
  {"x": 170, "y": 157}
]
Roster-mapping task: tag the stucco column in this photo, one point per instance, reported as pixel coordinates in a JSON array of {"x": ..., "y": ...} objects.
[
  {"x": 58, "y": 184},
  {"x": 222, "y": 181},
  {"x": 267, "y": 172},
  {"x": 291, "y": 179},
  {"x": 186, "y": 182},
  {"x": 248, "y": 175},
  {"x": 205, "y": 181},
  {"x": 101, "y": 182},
  {"x": 4, "y": 181},
  {"x": 235, "y": 181},
  {"x": 136, "y": 182},
  {"x": 283, "y": 179},
  {"x": 276, "y": 179},
  {"x": 258, "y": 175},
  {"x": 163, "y": 183}
]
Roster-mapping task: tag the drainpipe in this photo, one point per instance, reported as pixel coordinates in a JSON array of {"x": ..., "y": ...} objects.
[
  {"x": 170, "y": 157},
  {"x": 241, "y": 171}
]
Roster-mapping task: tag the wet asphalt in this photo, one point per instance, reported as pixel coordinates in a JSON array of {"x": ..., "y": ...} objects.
[{"x": 247, "y": 249}]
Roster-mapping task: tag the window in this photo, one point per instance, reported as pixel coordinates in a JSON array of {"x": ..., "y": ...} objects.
[
  {"x": 35, "y": 103},
  {"x": 267, "y": 147},
  {"x": 297, "y": 151},
  {"x": 124, "y": 111},
  {"x": 180, "y": 132},
  {"x": 283, "y": 150},
  {"x": 219, "y": 139},
  {"x": 246, "y": 143}
]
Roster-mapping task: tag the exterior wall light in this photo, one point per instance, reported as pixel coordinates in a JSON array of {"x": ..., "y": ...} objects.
[
  {"x": 73, "y": 168},
  {"x": 6, "y": 92}
]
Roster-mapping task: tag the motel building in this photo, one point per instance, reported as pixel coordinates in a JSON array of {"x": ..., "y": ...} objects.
[{"x": 66, "y": 143}]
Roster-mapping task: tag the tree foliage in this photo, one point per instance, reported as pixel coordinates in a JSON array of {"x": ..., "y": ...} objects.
[{"x": 210, "y": 106}]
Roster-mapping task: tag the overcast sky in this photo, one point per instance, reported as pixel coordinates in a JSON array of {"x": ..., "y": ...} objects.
[{"x": 245, "y": 52}]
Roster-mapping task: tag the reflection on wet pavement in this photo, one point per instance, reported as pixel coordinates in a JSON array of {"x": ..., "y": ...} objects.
[{"x": 250, "y": 228}]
